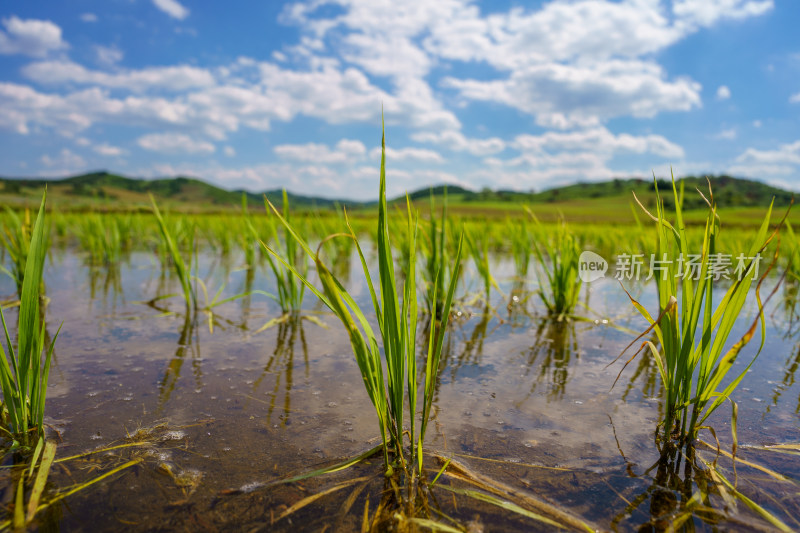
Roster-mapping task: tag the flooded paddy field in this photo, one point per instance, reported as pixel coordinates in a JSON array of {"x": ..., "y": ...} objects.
[{"x": 196, "y": 418}]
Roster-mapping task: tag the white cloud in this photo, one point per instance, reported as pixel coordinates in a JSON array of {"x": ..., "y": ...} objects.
[
  {"x": 345, "y": 151},
  {"x": 599, "y": 141},
  {"x": 571, "y": 63},
  {"x": 408, "y": 154},
  {"x": 727, "y": 134},
  {"x": 559, "y": 32},
  {"x": 455, "y": 140},
  {"x": 108, "y": 55},
  {"x": 757, "y": 124},
  {"x": 65, "y": 161},
  {"x": 30, "y": 37},
  {"x": 229, "y": 151},
  {"x": 565, "y": 96},
  {"x": 794, "y": 99},
  {"x": 174, "y": 143},
  {"x": 89, "y": 17},
  {"x": 762, "y": 171},
  {"x": 694, "y": 13},
  {"x": 723, "y": 92},
  {"x": 176, "y": 78},
  {"x": 786, "y": 154},
  {"x": 172, "y": 8},
  {"x": 557, "y": 158},
  {"x": 108, "y": 150},
  {"x": 776, "y": 166}
]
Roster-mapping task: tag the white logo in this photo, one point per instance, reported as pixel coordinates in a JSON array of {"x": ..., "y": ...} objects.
[{"x": 591, "y": 266}]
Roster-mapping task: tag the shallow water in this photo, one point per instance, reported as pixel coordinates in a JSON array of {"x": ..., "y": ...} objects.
[{"x": 235, "y": 408}]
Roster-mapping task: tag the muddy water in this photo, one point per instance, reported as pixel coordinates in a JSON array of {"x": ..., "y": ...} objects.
[{"x": 522, "y": 400}]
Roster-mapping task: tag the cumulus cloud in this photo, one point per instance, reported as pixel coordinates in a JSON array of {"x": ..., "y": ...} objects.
[
  {"x": 598, "y": 140},
  {"x": 569, "y": 64},
  {"x": 457, "y": 141},
  {"x": 774, "y": 166},
  {"x": 176, "y": 78},
  {"x": 786, "y": 154},
  {"x": 108, "y": 150},
  {"x": 89, "y": 17},
  {"x": 691, "y": 14},
  {"x": 408, "y": 154},
  {"x": 794, "y": 99},
  {"x": 727, "y": 134},
  {"x": 65, "y": 161},
  {"x": 556, "y": 158},
  {"x": 31, "y": 37},
  {"x": 173, "y": 8},
  {"x": 565, "y": 96},
  {"x": 723, "y": 92},
  {"x": 345, "y": 151},
  {"x": 108, "y": 55},
  {"x": 174, "y": 143}
]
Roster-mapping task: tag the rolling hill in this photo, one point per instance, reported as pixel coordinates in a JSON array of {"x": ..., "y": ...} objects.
[{"x": 608, "y": 201}]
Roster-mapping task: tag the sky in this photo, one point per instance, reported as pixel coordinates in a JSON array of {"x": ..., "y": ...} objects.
[{"x": 503, "y": 94}]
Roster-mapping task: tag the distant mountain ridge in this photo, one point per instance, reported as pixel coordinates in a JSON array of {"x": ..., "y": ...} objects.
[{"x": 106, "y": 188}]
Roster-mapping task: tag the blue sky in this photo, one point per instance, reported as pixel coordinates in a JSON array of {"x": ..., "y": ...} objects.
[{"x": 512, "y": 95}]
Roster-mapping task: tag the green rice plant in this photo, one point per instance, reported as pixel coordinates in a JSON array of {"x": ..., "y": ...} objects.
[
  {"x": 558, "y": 257},
  {"x": 439, "y": 267},
  {"x": 290, "y": 288},
  {"x": 692, "y": 355},
  {"x": 188, "y": 281},
  {"x": 520, "y": 245},
  {"x": 478, "y": 245},
  {"x": 104, "y": 238},
  {"x": 792, "y": 286},
  {"x": 182, "y": 269},
  {"x": 23, "y": 371},
  {"x": 16, "y": 239},
  {"x": 397, "y": 322}
]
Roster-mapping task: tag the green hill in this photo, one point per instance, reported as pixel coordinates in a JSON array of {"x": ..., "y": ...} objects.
[
  {"x": 103, "y": 190},
  {"x": 608, "y": 201}
]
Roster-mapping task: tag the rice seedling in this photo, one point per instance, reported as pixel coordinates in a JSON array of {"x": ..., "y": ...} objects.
[
  {"x": 189, "y": 282},
  {"x": 437, "y": 257},
  {"x": 692, "y": 334},
  {"x": 105, "y": 238},
  {"x": 557, "y": 257},
  {"x": 16, "y": 240},
  {"x": 23, "y": 371},
  {"x": 289, "y": 287},
  {"x": 478, "y": 246},
  {"x": 397, "y": 323},
  {"x": 520, "y": 246},
  {"x": 182, "y": 269}
]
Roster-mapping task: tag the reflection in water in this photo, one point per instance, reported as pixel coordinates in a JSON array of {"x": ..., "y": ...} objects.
[
  {"x": 556, "y": 343},
  {"x": 281, "y": 362},
  {"x": 647, "y": 369},
  {"x": 188, "y": 342},
  {"x": 790, "y": 368},
  {"x": 473, "y": 346},
  {"x": 518, "y": 315},
  {"x": 247, "y": 290},
  {"x": 669, "y": 493},
  {"x": 107, "y": 279},
  {"x": 791, "y": 291},
  {"x": 683, "y": 493}
]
